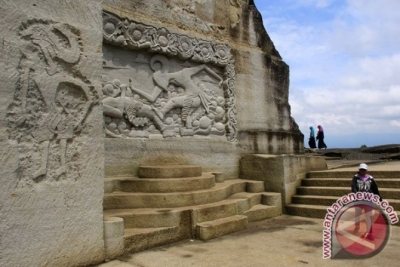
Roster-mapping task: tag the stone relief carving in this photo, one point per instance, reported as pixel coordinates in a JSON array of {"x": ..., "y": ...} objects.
[
  {"x": 235, "y": 12},
  {"x": 51, "y": 102},
  {"x": 165, "y": 83}
]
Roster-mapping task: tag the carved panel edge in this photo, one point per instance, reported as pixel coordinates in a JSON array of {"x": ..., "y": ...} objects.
[{"x": 138, "y": 36}]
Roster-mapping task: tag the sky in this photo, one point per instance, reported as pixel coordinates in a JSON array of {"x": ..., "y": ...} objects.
[{"x": 344, "y": 60}]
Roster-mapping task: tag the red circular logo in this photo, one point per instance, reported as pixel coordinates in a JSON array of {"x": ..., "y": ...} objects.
[{"x": 361, "y": 229}]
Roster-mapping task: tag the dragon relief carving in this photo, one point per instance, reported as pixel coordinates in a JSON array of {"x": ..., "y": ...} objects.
[{"x": 51, "y": 102}]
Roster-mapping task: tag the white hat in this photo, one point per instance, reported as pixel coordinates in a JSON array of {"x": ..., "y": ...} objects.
[{"x": 363, "y": 166}]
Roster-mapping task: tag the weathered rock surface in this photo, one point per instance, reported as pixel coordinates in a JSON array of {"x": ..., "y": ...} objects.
[
  {"x": 224, "y": 48},
  {"x": 168, "y": 82},
  {"x": 51, "y": 133},
  {"x": 390, "y": 151}
]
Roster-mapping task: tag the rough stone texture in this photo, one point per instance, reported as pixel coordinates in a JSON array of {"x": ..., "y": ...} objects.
[
  {"x": 51, "y": 133},
  {"x": 171, "y": 210},
  {"x": 124, "y": 156},
  {"x": 54, "y": 96},
  {"x": 258, "y": 119},
  {"x": 220, "y": 227},
  {"x": 390, "y": 151},
  {"x": 262, "y": 242},
  {"x": 280, "y": 174},
  {"x": 113, "y": 237},
  {"x": 322, "y": 188},
  {"x": 169, "y": 171},
  {"x": 203, "y": 181},
  {"x": 393, "y": 148},
  {"x": 272, "y": 199}
]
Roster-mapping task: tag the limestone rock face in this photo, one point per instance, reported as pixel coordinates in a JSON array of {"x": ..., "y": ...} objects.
[
  {"x": 93, "y": 88},
  {"x": 51, "y": 133},
  {"x": 200, "y": 78}
]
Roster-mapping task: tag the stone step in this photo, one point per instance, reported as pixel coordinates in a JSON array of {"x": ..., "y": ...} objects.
[
  {"x": 349, "y": 174},
  {"x": 314, "y": 200},
  {"x": 261, "y": 212},
  {"x": 236, "y": 204},
  {"x": 123, "y": 200},
  {"x": 244, "y": 204},
  {"x": 387, "y": 193},
  {"x": 346, "y": 182},
  {"x": 169, "y": 171},
  {"x": 221, "y": 191},
  {"x": 321, "y": 189},
  {"x": 146, "y": 228},
  {"x": 138, "y": 239},
  {"x": 330, "y": 200},
  {"x": 220, "y": 227},
  {"x": 176, "y": 202},
  {"x": 166, "y": 185},
  {"x": 312, "y": 211},
  {"x": 147, "y": 217}
]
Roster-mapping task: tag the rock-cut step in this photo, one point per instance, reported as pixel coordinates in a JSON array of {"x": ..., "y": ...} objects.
[
  {"x": 310, "y": 211},
  {"x": 156, "y": 185},
  {"x": 124, "y": 200},
  {"x": 169, "y": 171},
  {"x": 220, "y": 227},
  {"x": 146, "y": 228},
  {"x": 330, "y": 200},
  {"x": 345, "y": 182},
  {"x": 169, "y": 203},
  {"x": 261, "y": 212},
  {"x": 256, "y": 206},
  {"x": 313, "y": 211},
  {"x": 349, "y": 174},
  {"x": 389, "y": 193},
  {"x": 138, "y": 239}
]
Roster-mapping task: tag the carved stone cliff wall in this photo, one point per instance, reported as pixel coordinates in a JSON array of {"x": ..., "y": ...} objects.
[
  {"x": 51, "y": 133},
  {"x": 221, "y": 81},
  {"x": 93, "y": 88}
]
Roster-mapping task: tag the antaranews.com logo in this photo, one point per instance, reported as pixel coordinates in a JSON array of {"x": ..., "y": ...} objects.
[{"x": 357, "y": 226}]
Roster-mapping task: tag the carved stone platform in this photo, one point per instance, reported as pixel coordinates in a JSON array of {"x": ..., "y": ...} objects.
[{"x": 169, "y": 203}]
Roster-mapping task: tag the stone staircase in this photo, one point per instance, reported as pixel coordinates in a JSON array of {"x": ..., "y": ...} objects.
[
  {"x": 169, "y": 203},
  {"x": 321, "y": 189}
]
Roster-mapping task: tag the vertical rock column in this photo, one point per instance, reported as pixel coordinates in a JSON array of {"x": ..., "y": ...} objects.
[{"x": 52, "y": 151}]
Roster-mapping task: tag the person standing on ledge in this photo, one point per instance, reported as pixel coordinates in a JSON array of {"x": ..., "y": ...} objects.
[
  {"x": 311, "y": 140},
  {"x": 363, "y": 182},
  {"x": 320, "y": 137}
]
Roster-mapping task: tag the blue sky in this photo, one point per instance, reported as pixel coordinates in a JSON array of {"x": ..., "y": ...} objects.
[{"x": 344, "y": 59}]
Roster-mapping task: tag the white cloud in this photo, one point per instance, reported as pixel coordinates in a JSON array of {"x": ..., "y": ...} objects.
[
  {"x": 395, "y": 123},
  {"x": 373, "y": 73},
  {"x": 344, "y": 59},
  {"x": 366, "y": 26}
]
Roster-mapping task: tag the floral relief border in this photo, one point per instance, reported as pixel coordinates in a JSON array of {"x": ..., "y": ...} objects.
[{"x": 137, "y": 36}]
